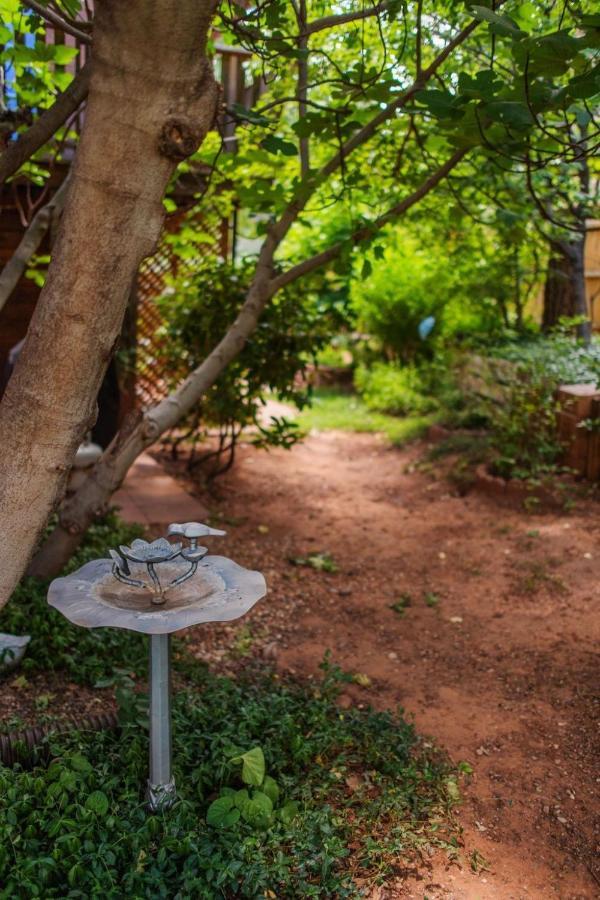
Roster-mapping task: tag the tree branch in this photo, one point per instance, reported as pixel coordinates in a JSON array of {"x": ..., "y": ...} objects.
[
  {"x": 303, "y": 87},
  {"x": 343, "y": 18},
  {"x": 367, "y": 230},
  {"x": 46, "y": 125},
  {"x": 30, "y": 242},
  {"x": 54, "y": 19}
]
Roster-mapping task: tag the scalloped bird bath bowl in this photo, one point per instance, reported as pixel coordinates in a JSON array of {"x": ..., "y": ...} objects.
[{"x": 158, "y": 588}]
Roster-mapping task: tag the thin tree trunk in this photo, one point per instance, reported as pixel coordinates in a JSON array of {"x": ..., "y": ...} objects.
[
  {"x": 30, "y": 243},
  {"x": 584, "y": 329},
  {"x": 564, "y": 290},
  {"x": 152, "y": 99}
]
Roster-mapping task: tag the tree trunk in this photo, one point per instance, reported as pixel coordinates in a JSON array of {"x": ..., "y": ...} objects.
[
  {"x": 564, "y": 290},
  {"x": 152, "y": 99}
]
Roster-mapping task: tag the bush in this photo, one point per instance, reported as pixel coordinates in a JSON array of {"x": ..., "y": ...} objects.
[
  {"x": 393, "y": 389},
  {"x": 399, "y": 291},
  {"x": 294, "y": 327},
  {"x": 523, "y": 426},
  {"x": 561, "y": 359}
]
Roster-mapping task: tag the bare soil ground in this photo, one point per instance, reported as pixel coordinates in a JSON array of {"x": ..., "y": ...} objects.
[
  {"x": 493, "y": 654},
  {"x": 490, "y": 649}
]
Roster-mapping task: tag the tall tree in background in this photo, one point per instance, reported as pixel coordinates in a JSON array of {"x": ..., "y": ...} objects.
[{"x": 406, "y": 92}]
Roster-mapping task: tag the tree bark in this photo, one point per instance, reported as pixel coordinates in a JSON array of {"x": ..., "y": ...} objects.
[{"x": 152, "y": 99}]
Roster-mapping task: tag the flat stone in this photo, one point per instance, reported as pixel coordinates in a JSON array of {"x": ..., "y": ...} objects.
[{"x": 151, "y": 497}]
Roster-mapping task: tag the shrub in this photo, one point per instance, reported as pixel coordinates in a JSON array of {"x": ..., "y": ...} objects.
[
  {"x": 562, "y": 359},
  {"x": 399, "y": 291},
  {"x": 295, "y": 325},
  {"x": 523, "y": 426},
  {"x": 393, "y": 389}
]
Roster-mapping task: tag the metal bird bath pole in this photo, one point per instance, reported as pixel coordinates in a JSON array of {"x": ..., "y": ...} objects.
[{"x": 158, "y": 588}]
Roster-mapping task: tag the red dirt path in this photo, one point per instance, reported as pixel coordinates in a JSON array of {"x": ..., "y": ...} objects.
[{"x": 500, "y": 671}]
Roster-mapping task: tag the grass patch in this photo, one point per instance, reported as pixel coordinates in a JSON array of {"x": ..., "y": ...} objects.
[
  {"x": 343, "y": 797},
  {"x": 335, "y": 410}
]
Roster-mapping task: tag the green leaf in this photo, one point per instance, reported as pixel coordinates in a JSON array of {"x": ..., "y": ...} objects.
[
  {"x": 81, "y": 764},
  {"x": 241, "y": 798},
  {"x": 441, "y": 104},
  {"x": 258, "y": 810},
  {"x": 222, "y": 813},
  {"x": 312, "y": 123},
  {"x": 367, "y": 268},
  {"x": 288, "y": 812},
  {"x": 248, "y": 115},
  {"x": 271, "y": 789},
  {"x": 502, "y": 24},
  {"x": 253, "y": 766},
  {"x": 63, "y": 55},
  {"x": 452, "y": 790},
  {"x": 510, "y": 112},
  {"x": 97, "y": 802},
  {"x": 276, "y": 145}
]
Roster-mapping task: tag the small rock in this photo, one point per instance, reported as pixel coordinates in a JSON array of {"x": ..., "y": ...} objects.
[
  {"x": 392, "y": 655},
  {"x": 270, "y": 650},
  {"x": 344, "y": 592}
]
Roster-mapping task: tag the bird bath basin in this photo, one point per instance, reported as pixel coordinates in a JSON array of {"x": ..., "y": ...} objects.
[
  {"x": 219, "y": 590},
  {"x": 158, "y": 588}
]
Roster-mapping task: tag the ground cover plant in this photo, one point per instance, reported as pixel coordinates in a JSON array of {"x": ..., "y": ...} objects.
[{"x": 275, "y": 781}]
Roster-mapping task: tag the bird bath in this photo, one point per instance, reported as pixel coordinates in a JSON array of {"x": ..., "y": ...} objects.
[{"x": 158, "y": 588}]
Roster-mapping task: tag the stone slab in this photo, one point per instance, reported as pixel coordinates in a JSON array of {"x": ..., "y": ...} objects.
[{"x": 151, "y": 497}]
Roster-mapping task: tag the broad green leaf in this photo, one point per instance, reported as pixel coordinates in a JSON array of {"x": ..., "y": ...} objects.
[
  {"x": 222, "y": 813},
  {"x": 241, "y": 798},
  {"x": 271, "y": 789},
  {"x": 81, "y": 764},
  {"x": 502, "y": 24},
  {"x": 63, "y": 55},
  {"x": 510, "y": 112},
  {"x": 258, "y": 810},
  {"x": 273, "y": 144},
  {"x": 249, "y": 115},
  {"x": 97, "y": 802},
  {"x": 288, "y": 812},
  {"x": 253, "y": 766}
]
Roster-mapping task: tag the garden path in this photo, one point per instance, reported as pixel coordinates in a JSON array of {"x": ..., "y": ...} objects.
[{"x": 492, "y": 654}]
